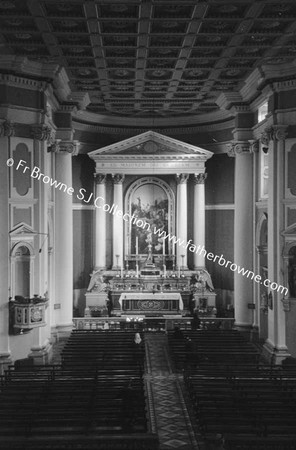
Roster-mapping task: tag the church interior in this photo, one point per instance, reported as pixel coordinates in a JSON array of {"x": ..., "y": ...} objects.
[{"x": 148, "y": 224}]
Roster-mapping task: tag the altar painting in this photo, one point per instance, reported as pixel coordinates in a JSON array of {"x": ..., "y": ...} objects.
[{"x": 149, "y": 203}]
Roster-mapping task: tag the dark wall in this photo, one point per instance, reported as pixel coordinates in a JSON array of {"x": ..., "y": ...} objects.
[
  {"x": 82, "y": 247},
  {"x": 219, "y": 185}
]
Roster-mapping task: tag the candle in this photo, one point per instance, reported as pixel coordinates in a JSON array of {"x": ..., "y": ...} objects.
[
  {"x": 164, "y": 270},
  {"x": 179, "y": 272},
  {"x": 173, "y": 249},
  {"x": 121, "y": 271},
  {"x": 137, "y": 245},
  {"x": 137, "y": 270},
  {"x": 163, "y": 247}
]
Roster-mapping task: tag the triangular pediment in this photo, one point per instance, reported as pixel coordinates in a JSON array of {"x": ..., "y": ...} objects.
[
  {"x": 150, "y": 143},
  {"x": 290, "y": 232},
  {"x": 22, "y": 229}
]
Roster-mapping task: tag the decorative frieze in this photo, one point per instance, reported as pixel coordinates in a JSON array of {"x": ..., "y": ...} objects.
[
  {"x": 199, "y": 178},
  {"x": 7, "y": 129},
  {"x": 118, "y": 178},
  {"x": 182, "y": 178}
]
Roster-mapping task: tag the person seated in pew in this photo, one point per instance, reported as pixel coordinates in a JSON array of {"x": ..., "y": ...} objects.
[
  {"x": 138, "y": 350},
  {"x": 195, "y": 323}
]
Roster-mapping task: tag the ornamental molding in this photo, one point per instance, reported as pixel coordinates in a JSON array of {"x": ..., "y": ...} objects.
[
  {"x": 235, "y": 148},
  {"x": 63, "y": 146},
  {"x": 7, "y": 129},
  {"x": 22, "y": 82},
  {"x": 118, "y": 178},
  {"x": 182, "y": 178},
  {"x": 44, "y": 133},
  {"x": 199, "y": 178},
  {"x": 100, "y": 178},
  {"x": 273, "y": 133},
  {"x": 229, "y": 124}
]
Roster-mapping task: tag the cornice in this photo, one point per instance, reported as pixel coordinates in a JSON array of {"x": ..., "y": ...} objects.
[
  {"x": 24, "y": 83},
  {"x": 94, "y": 128}
]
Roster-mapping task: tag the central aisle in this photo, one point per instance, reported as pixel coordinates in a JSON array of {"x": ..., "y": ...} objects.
[{"x": 173, "y": 423}]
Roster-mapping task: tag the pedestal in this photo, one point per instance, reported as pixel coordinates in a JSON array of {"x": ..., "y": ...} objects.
[{"x": 95, "y": 301}]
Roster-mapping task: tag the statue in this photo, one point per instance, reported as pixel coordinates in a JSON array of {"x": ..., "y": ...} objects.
[
  {"x": 203, "y": 281},
  {"x": 97, "y": 281}
]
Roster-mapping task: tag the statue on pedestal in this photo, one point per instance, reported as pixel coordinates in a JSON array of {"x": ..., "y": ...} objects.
[
  {"x": 203, "y": 281},
  {"x": 97, "y": 281}
]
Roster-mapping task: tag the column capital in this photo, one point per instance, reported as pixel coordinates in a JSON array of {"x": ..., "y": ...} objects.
[
  {"x": 70, "y": 147},
  {"x": 7, "y": 129},
  {"x": 274, "y": 132},
  {"x": 199, "y": 178},
  {"x": 118, "y": 178},
  {"x": 182, "y": 178},
  {"x": 239, "y": 148},
  {"x": 43, "y": 133},
  {"x": 100, "y": 178}
]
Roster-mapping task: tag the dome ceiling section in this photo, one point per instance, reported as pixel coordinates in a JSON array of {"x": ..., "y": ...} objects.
[{"x": 156, "y": 58}]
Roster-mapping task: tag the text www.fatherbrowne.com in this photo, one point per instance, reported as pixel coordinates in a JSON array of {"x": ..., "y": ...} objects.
[{"x": 99, "y": 202}]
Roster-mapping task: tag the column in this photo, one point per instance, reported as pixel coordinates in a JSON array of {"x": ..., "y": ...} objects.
[
  {"x": 199, "y": 218},
  {"x": 100, "y": 253},
  {"x": 243, "y": 230},
  {"x": 181, "y": 219},
  {"x": 274, "y": 138},
  {"x": 118, "y": 221},
  {"x": 4, "y": 248},
  {"x": 64, "y": 235}
]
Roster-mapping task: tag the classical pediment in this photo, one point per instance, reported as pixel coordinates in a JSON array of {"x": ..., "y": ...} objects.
[
  {"x": 151, "y": 144},
  {"x": 22, "y": 230},
  {"x": 290, "y": 232}
]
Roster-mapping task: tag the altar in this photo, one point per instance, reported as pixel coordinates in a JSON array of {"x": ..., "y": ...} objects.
[{"x": 158, "y": 302}]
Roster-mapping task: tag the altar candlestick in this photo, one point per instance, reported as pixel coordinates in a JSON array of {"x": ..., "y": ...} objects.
[
  {"x": 164, "y": 270},
  {"x": 137, "y": 245},
  {"x": 173, "y": 249},
  {"x": 137, "y": 271},
  {"x": 163, "y": 247},
  {"x": 121, "y": 272},
  {"x": 179, "y": 271}
]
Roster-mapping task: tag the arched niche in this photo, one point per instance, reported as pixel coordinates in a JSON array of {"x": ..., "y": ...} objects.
[
  {"x": 22, "y": 269},
  {"x": 152, "y": 201}
]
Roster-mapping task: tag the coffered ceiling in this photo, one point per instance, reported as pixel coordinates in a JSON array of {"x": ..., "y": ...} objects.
[{"x": 151, "y": 58}]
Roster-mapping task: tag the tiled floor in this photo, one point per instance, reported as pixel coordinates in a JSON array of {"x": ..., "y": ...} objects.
[{"x": 173, "y": 423}]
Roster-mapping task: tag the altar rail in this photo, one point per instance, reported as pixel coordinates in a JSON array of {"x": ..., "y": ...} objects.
[{"x": 149, "y": 323}]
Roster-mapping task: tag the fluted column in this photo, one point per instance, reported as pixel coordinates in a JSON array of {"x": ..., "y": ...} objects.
[
  {"x": 199, "y": 218},
  {"x": 243, "y": 230},
  {"x": 118, "y": 221},
  {"x": 5, "y": 132},
  {"x": 274, "y": 139},
  {"x": 181, "y": 219},
  {"x": 100, "y": 252},
  {"x": 64, "y": 233}
]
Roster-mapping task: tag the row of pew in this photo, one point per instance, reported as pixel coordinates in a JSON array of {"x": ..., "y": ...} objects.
[
  {"x": 95, "y": 399},
  {"x": 239, "y": 402}
]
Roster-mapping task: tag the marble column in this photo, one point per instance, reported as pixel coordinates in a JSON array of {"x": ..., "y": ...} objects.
[
  {"x": 243, "y": 230},
  {"x": 4, "y": 248},
  {"x": 199, "y": 218},
  {"x": 64, "y": 235},
  {"x": 274, "y": 138},
  {"x": 118, "y": 221},
  {"x": 181, "y": 220},
  {"x": 100, "y": 253}
]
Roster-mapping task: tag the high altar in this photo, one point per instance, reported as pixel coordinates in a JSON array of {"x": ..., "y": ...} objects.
[{"x": 150, "y": 189}]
